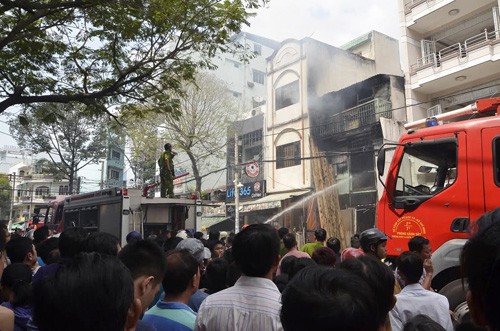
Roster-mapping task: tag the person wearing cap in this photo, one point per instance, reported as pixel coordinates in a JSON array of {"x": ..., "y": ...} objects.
[
  {"x": 197, "y": 249},
  {"x": 373, "y": 242},
  {"x": 133, "y": 236}
]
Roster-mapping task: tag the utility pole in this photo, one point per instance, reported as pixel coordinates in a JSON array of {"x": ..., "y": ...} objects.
[
  {"x": 12, "y": 200},
  {"x": 102, "y": 175},
  {"x": 236, "y": 186}
]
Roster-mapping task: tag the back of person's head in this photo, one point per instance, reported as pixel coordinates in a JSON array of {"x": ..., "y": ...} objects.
[
  {"x": 198, "y": 235},
  {"x": 48, "y": 250},
  {"x": 17, "y": 278},
  {"x": 324, "y": 256},
  {"x": 133, "y": 236},
  {"x": 355, "y": 241},
  {"x": 320, "y": 234},
  {"x": 480, "y": 263},
  {"x": 17, "y": 249},
  {"x": 320, "y": 298},
  {"x": 230, "y": 239},
  {"x": 410, "y": 264},
  {"x": 289, "y": 241},
  {"x": 216, "y": 274},
  {"x": 379, "y": 277},
  {"x": 287, "y": 264},
  {"x": 101, "y": 242},
  {"x": 71, "y": 241},
  {"x": 214, "y": 235},
  {"x": 416, "y": 244},
  {"x": 256, "y": 249},
  {"x": 351, "y": 252},
  {"x": 422, "y": 322},
  {"x": 334, "y": 244},
  {"x": 282, "y": 232},
  {"x": 181, "y": 268},
  {"x": 93, "y": 292},
  {"x": 40, "y": 234},
  {"x": 299, "y": 264},
  {"x": 144, "y": 258}
]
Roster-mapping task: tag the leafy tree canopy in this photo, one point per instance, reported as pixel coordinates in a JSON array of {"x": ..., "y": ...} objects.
[
  {"x": 102, "y": 52},
  {"x": 5, "y": 196}
]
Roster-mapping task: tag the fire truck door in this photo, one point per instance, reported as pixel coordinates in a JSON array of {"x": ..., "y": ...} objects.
[{"x": 491, "y": 167}]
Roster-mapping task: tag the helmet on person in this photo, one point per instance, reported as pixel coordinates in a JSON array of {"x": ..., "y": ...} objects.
[{"x": 371, "y": 237}]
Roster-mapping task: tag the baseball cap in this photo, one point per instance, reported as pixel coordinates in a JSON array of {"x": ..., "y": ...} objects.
[
  {"x": 194, "y": 246},
  {"x": 133, "y": 235}
]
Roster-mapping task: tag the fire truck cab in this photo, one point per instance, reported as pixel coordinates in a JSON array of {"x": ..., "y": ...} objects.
[{"x": 441, "y": 179}]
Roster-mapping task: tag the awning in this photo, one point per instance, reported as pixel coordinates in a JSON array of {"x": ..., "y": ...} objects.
[
  {"x": 207, "y": 222},
  {"x": 269, "y": 201}
]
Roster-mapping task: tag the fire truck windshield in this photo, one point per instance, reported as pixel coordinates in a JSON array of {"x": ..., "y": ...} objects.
[{"x": 427, "y": 168}]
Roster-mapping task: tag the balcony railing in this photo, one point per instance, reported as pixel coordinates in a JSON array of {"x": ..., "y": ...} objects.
[
  {"x": 410, "y": 4},
  {"x": 458, "y": 50},
  {"x": 356, "y": 117}
]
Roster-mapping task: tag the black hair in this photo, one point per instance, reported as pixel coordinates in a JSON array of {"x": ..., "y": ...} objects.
[
  {"x": 17, "y": 277},
  {"x": 144, "y": 258},
  {"x": 18, "y": 248},
  {"x": 287, "y": 264},
  {"x": 379, "y": 277},
  {"x": 181, "y": 267},
  {"x": 167, "y": 146},
  {"x": 355, "y": 243},
  {"x": 480, "y": 264},
  {"x": 416, "y": 244},
  {"x": 289, "y": 240},
  {"x": 216, "y": 273},
  {"x": 255, "y": 249},
  {"x": 40, "y": 234},
  {"x": 324, "y": 256},
  {"x": 334, "y": 244},
  {"x": 411, "y": 265},
  {"x": 320, "y": 234},
  {"x": 46, "y": 249},
  {"x": 422, "y": 322},
  {"x": 214, "y": 235},
  {"x": 70, "y": 242},
  {"x": 198, "y": 235},
  {"x": 93, "y": 292},
  {"x": 282, "y": 232},
  {"x": 101, "y": 242},
  {"x": 320, "y": 298},
  {"x": 299, "y": 264}
]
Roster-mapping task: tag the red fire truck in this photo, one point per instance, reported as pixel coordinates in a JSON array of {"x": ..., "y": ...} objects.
[{"x": 442, "y": 177}]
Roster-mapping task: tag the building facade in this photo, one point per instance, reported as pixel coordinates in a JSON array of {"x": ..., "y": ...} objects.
[{"x": 450, "y": 54}]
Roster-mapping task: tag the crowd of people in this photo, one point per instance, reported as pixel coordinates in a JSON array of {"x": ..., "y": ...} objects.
[{"x": 258, "y": 279}]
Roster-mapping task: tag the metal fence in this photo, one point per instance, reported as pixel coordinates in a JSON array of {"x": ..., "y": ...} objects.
[{"x": 356, "y": 117}]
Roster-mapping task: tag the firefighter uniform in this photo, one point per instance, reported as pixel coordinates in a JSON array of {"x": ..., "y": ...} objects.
[{"x": 167, "y": 173}]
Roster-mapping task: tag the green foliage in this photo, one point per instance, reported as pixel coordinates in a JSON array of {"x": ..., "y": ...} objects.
[
  {"x": 101, "y": 52},
  {"x": 69, "y": 136},
  {"x": 5, "y": 197}
]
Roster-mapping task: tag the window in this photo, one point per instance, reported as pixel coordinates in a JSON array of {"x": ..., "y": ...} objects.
[
  {"x": 496, "y": 160},
  {"x": 233, "y": 63},
  {"x": 257, "y": 49},
  {"x": 63, "y": 190},
  {"x": 115, "y": 155},
  {"x": 42, "y": 190},
  {"x": 427, "y": 168},
  {"x": 287, "y": 95},
  {"x": 258, "y": 76},
  {"x": 288, "y": 155},
  {"x": 113, "y": 174}
]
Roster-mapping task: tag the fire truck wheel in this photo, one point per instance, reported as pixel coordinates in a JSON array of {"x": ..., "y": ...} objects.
[{"x": 456, "y": 292}]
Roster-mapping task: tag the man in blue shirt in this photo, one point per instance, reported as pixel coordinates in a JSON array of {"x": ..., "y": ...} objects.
[{"x": 180, "y": 282}]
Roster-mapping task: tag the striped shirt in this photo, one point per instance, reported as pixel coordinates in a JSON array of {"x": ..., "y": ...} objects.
[
  {"x": 253, "y": 303},
  {"x": 172, "y": 316}
]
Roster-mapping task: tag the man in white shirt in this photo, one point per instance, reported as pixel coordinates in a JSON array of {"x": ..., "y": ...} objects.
[
  {"x": 414, "y": 299},
  {"x": 253, "y": 303}
]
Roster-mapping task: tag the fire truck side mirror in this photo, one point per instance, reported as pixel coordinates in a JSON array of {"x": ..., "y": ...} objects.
[{"x": 381, "y": 162}]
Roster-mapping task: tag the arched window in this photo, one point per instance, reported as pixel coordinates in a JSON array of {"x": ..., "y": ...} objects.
[{"x": 42, "y": 190}]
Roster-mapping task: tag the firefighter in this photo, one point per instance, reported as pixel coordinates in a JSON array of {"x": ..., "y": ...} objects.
[{"x": 167, "y": 173}]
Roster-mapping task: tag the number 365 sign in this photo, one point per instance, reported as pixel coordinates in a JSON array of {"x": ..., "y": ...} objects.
[{"x": 247, "y": 191}]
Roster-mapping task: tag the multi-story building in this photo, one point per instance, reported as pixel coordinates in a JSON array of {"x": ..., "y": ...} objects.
[
  {"x": 33, "y": 190},
  {"x": 338, "y": 98},
  {"x": 450, "y": 53}
]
